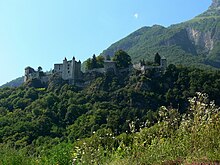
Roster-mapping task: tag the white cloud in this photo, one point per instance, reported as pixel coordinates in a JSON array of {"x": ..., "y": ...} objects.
[{"x": 136, "y": 15}]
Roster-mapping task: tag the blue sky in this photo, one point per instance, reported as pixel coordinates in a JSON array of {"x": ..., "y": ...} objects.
[{"x": 43, "y": 32}]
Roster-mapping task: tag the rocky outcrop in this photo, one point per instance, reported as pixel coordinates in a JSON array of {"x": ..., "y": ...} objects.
[
  {"x": 215, "y": 4},
  {"x": 202, "y": 40},
  {"x": 183, "y": 40},
  {"x": 214, "y": 9}
]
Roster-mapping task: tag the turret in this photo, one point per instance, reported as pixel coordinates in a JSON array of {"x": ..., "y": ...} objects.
[
  {"x": 73, "y": 58},
  {"x": 64, "y": 73},
  {"x": 163, "y": 62}
]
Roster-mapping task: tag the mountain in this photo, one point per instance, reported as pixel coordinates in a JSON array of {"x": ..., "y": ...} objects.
[
  {"x": 14, "y": 83},
  {"x": 194, "y": 42}
]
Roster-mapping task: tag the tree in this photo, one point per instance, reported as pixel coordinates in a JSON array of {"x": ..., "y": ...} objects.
[
  {"x": 157, "y": 58},
  {"x": 107, "y": 57},
  {"x": 88, "y": 64},
  {"x": 122, "y": 59},
  {"x": 100, "y": 61},
  {"x": 94, "y": 61},
  {"x": 39, "y": 69}
]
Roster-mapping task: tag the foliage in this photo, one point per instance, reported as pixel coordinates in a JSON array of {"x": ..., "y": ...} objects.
[
  {"x": 39, "y": 69},
  {"x": 122, "y": 59},
  {"x": 95, "y": 62},
  {"x": 134, "y": 118},
  {"x": 157, "y": 58},
  {"x": 14, "y": 83},
  {"x": 173, "y": 140}
]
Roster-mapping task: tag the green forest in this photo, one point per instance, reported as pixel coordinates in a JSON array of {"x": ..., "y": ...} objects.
[{"x": 130, "y": 118}]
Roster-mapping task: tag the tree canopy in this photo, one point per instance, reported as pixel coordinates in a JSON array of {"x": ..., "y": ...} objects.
[
  {"x": 94, "y": 62},
  {"x": 157, "y": 59},
  {"x": 115, "y": 115},
  {"x": 122, "y": 59}
]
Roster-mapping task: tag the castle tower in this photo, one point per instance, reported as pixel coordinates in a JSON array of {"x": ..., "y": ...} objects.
[
  {"x": 64, "y": 72},
  {"x": 69, "y": 70},
  {"x": 73, "y": 70},
  {"x": 78, "y": 70},
  {"x": 163, "y": 63}
]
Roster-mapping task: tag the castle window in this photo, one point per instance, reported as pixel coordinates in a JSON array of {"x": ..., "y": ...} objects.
[
  {"x": 68, "y": 68},
  {"x": 68, "y": 71}
]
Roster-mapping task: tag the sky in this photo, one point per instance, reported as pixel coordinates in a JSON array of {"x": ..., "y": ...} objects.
[{"x": 43, "y": 32}]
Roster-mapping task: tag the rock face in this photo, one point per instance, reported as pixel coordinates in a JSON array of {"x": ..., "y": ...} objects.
[
  {"x": 200, "y": 39},
  {"x": 215, "y": 4}
]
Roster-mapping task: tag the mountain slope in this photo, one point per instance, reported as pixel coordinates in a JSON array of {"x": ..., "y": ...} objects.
[
  {"x": 195, "y": 42},
  {"x": 14, "y": 83}
]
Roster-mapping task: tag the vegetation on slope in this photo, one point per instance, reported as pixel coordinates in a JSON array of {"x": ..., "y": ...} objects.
[
  {"x": 116, "y": 119},
  {"x": 191, "y": 43},
  {"x": 14, "y": 83}
]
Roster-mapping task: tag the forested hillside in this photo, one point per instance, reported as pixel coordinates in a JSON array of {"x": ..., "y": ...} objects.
[
  {"x": 14, "y": 83},
  {"x": 118, "y": 119}
]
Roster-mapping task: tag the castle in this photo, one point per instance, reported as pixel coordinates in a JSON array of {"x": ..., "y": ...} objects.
[
  {"x": 144, "y": 67},
  {"x": 70, "y": 70}
]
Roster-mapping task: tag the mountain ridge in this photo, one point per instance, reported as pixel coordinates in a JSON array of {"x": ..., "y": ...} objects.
[
  {"x": 194, "y": 42},
  {"x": 14, "y": 83},
  {"x": 215, "y": 4}
]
